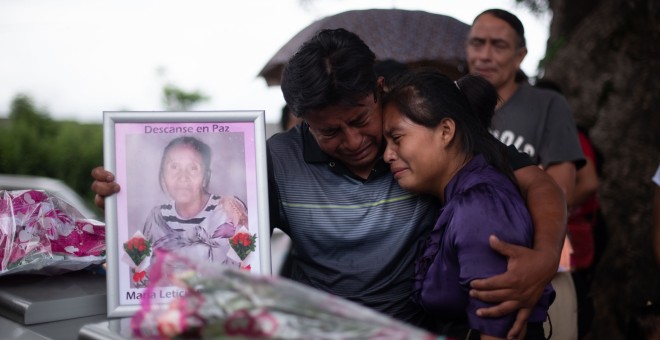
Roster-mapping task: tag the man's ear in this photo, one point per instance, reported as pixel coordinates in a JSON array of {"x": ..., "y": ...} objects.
[
  {"x": 520, "y": 55},
  {"x": 380, "y": 82}
]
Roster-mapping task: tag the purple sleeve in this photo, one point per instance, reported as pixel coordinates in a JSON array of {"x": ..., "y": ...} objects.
[{"x": 482, "y": 211}]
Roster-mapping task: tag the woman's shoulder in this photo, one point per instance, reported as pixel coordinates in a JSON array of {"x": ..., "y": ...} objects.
[
  {"x": 475, "y": 198},
  {"x": 485, "y": 192},
  {"x": 482, "y": 182},
  {"x": 496, "y": 194},
  {"x": 162, "y": 209}
]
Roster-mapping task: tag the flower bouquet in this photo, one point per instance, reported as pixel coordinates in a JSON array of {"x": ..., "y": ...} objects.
[
  {"x": 42, "y": 234},
  {"x": 224, "y": 302},
  {"x": 137, "y": 253},
  {"x": 243, "y": 243}
]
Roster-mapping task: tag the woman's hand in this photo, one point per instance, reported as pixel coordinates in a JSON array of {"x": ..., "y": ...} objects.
[{"x": 103, "y": 186}]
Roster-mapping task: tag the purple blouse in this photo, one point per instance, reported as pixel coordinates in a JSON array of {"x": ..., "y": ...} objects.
[{"x": 480, "y": 201}]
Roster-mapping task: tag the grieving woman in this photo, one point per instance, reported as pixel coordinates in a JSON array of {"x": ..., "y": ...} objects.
[{"x": 438, "y": 143}]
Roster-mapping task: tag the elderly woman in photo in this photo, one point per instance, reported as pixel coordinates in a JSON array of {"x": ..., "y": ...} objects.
[{"x": 193, "y": 222}]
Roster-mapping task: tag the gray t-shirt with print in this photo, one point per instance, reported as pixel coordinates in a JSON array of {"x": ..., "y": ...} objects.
[{"x": 539, "y": 122}]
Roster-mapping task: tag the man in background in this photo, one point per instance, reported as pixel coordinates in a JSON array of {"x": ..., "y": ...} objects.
[{"x": 288, "y": 119}]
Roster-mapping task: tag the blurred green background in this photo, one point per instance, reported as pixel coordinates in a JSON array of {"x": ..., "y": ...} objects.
[{"x": 31, "y": 143}]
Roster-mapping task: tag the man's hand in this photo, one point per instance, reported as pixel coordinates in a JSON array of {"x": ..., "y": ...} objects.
[
  {"x": 528, "y": 272},
  {"x": 103, "y": 186},
  {"x": 521, "y": 286},
  {"x": 519, "y": 328}
]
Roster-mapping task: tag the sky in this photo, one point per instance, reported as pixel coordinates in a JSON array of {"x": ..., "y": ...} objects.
[{"x": 78, "y": 58}]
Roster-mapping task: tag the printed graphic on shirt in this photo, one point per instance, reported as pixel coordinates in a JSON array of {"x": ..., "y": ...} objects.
[{"x": 508, "y": 137}]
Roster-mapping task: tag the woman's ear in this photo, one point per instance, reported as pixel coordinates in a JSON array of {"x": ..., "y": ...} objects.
[{"x": 446, "y": 131}]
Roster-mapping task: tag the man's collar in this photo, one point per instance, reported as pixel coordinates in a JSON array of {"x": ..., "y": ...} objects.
[{"x": 312, "y": 152}]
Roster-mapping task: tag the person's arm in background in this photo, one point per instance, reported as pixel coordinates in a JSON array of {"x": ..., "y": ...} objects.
[
  {"x": 586, "y": 178},
  {"x": 586, "y": 183},
  {"x": 564, "y": 175},
  {"x": 103, "y": 186},
  {"x": 528, "y": 270}
]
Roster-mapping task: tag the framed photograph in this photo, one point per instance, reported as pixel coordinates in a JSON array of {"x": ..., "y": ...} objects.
[{"x": 193, "y": 183}]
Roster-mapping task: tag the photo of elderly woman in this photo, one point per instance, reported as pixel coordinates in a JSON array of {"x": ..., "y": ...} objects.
[{"x": 197, "y": 217}]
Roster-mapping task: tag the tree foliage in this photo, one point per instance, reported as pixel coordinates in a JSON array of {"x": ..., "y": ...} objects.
[
  {"x": 536, "y": 6},
  {"x": 176, "y": 99},
  {"x": 31, "y": 143}
]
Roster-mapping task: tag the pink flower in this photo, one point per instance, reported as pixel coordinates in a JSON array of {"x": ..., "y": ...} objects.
[{"x": 169, "y": 323}]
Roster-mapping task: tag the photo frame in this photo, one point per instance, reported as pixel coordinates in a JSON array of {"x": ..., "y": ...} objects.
[{"x": 191, "y": 182}]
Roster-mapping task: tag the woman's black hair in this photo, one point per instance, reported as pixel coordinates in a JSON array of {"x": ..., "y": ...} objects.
[
  {"x": 202, "y": 148},
  {"x": 482, "y": 98},
  {"x": 426, "y": 97},
  {"x": 391, "y": 70}
]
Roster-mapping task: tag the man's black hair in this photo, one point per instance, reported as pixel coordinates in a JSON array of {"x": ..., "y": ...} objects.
[
  {"x": 510, "y": 19},
  {"x": 335, "y": 67}
]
